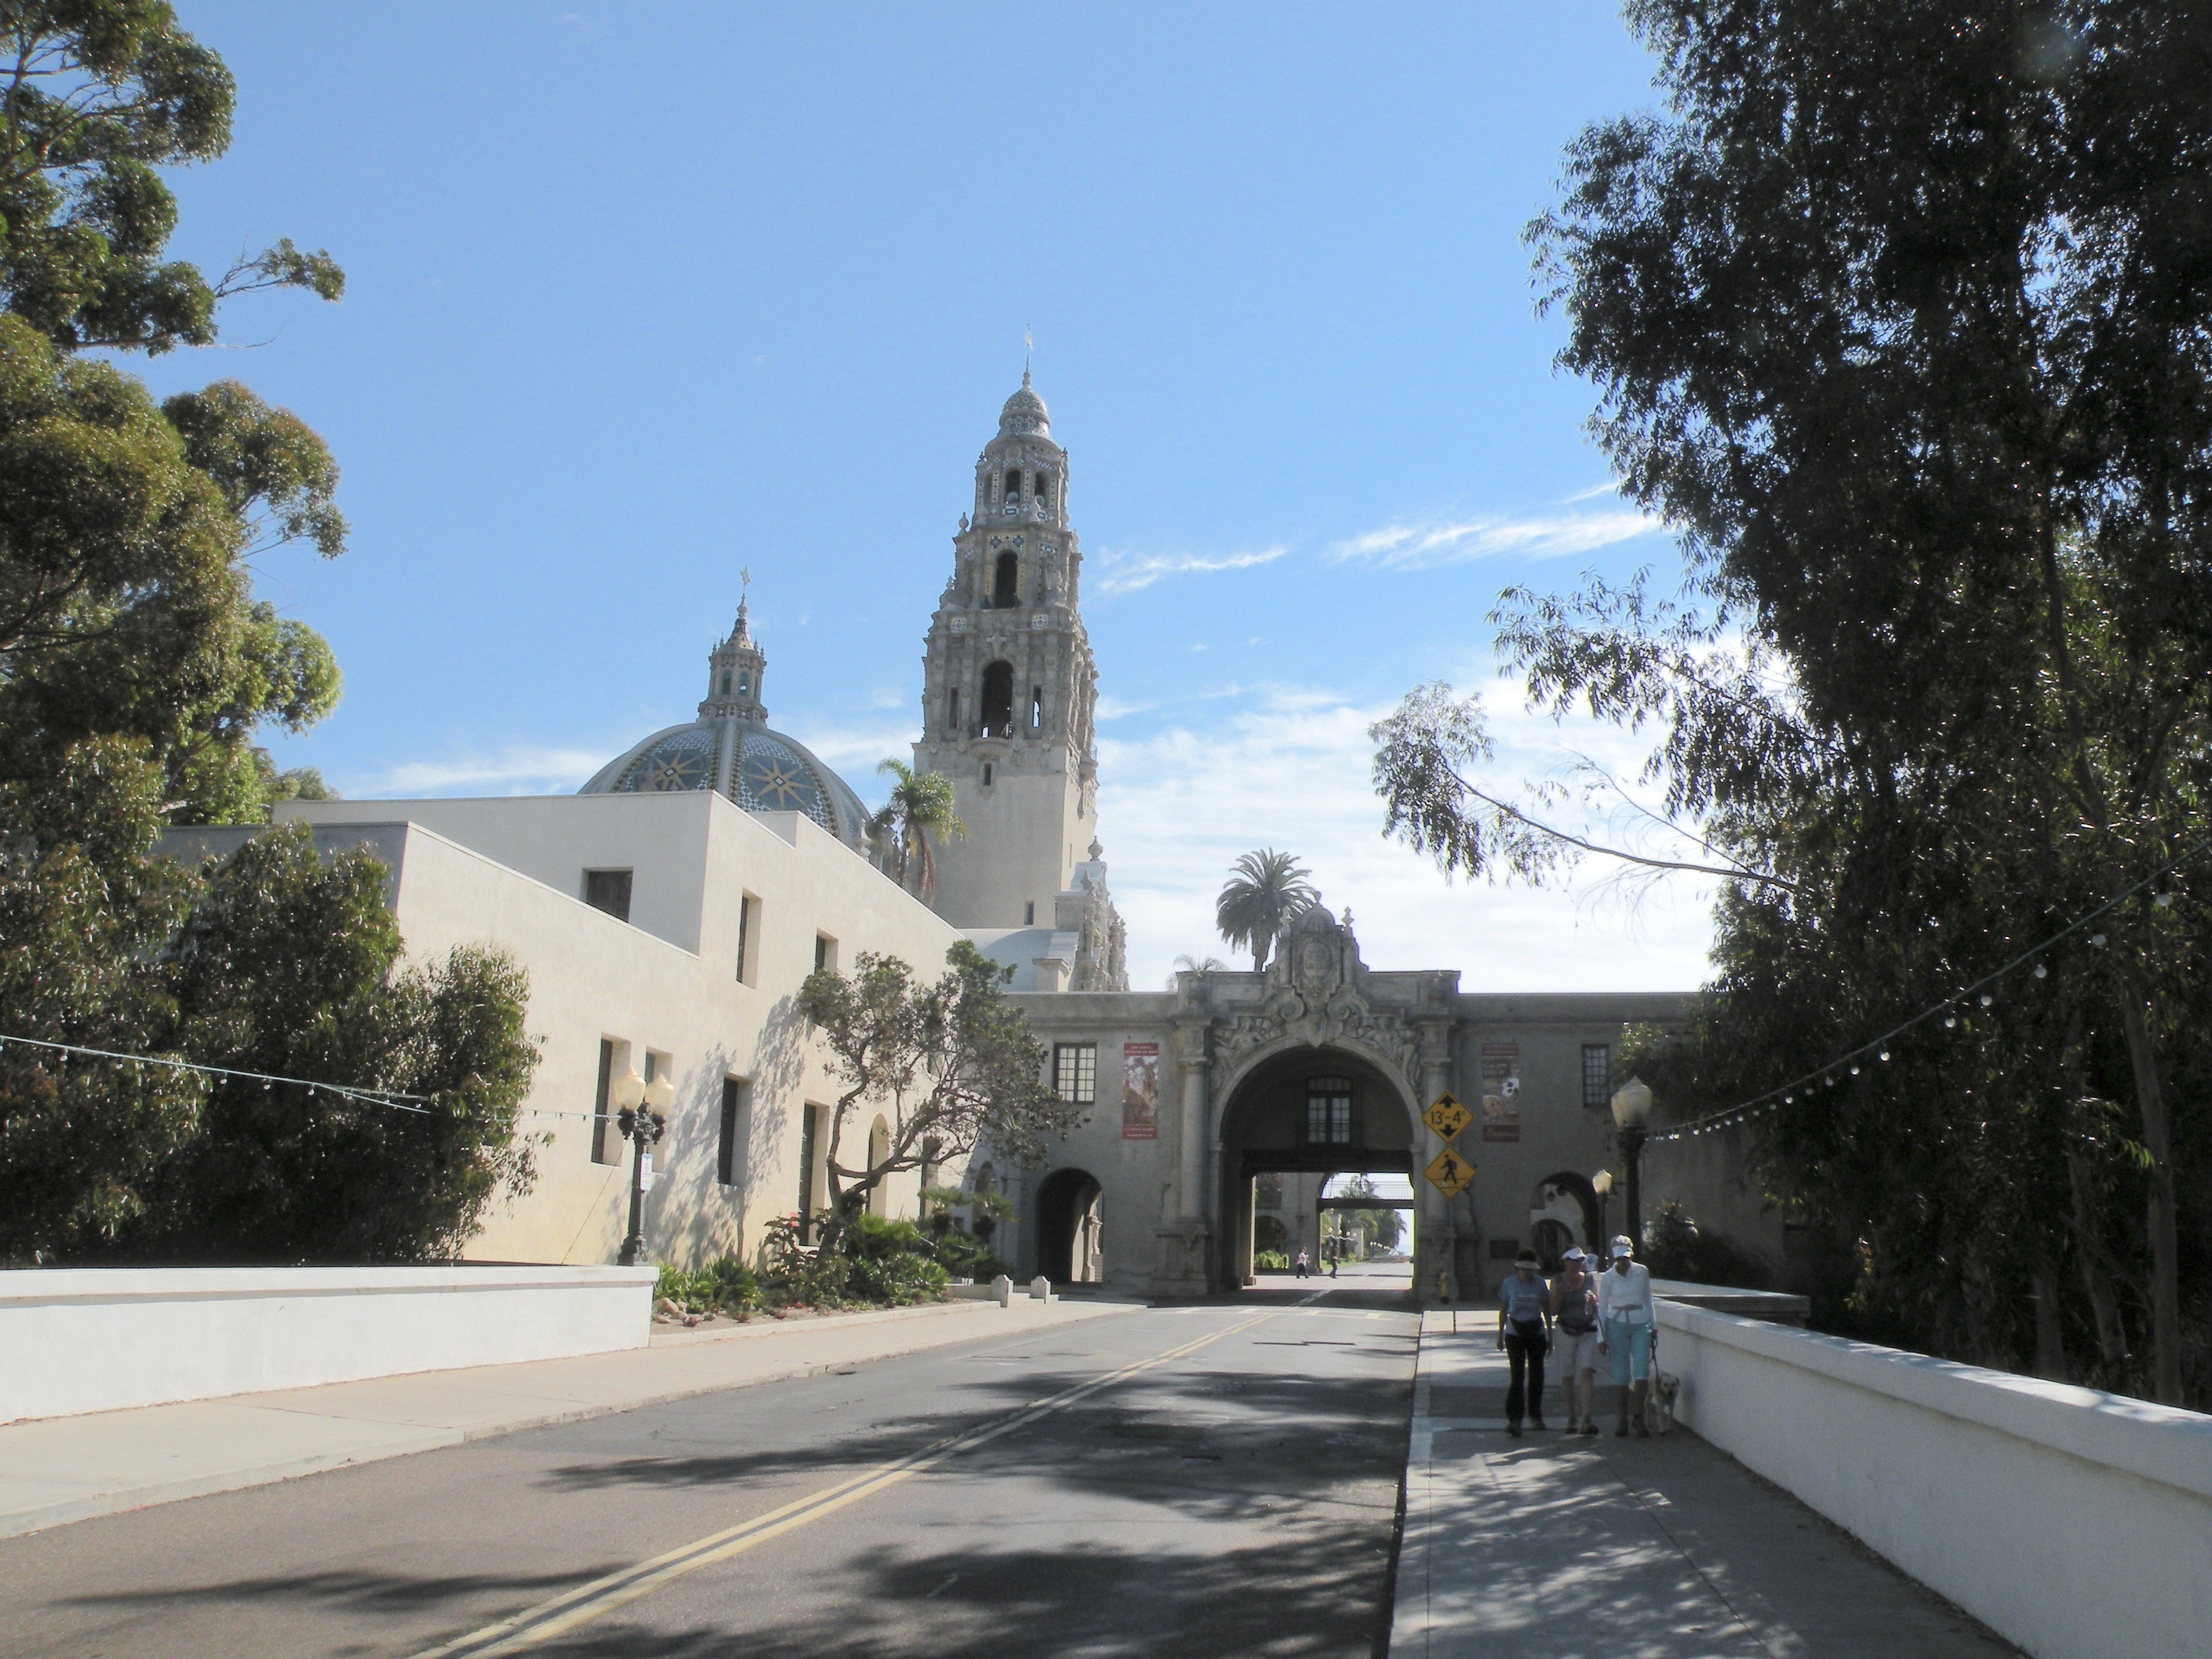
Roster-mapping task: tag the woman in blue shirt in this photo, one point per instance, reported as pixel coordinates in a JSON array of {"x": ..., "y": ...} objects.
[{"x": 1524, "y": 1331}]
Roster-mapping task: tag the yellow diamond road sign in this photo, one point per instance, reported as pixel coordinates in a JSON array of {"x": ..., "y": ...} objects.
[
  {"x": 1446, "y": 1116},
  {"x": 1450, "y": 1172}
]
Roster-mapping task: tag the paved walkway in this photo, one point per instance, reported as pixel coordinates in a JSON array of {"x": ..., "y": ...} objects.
[
  {"x": 1545, "y": 1547},
  {"x": 69, "y": 1468}
]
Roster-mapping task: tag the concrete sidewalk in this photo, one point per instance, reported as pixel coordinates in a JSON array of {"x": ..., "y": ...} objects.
[
  {"x": 68, "y": 1468},
  {"x": 1546, "y": 1547}
]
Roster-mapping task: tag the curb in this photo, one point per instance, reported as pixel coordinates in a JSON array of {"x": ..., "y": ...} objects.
[{"x": 126, "y": 1499}]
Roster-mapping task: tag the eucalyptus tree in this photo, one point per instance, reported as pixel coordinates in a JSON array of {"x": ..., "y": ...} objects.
[
  {"x": 1265, "y": 891},
  {"x": 1898, "y": 317}
]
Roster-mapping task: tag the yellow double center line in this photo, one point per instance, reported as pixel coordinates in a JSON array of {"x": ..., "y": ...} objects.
[{"x": 602, "y": 1595}]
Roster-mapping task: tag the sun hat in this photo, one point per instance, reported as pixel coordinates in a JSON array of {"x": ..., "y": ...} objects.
[
  {"x": 1621, "y": 1247},
  {"x": 1572, "y": 1253}
]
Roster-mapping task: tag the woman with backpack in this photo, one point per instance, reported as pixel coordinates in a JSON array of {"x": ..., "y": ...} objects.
[{"x": 1574, "y": 1316}]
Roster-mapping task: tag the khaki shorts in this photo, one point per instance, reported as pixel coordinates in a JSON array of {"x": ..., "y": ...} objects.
[{"x": 1573, "y": 1353}]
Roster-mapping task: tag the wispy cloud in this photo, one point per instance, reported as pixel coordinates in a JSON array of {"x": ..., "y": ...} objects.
[
  {"x": 516, "y": 770},
  {"x": 1610, "y": 487},
  {"x": 1548, "y": 536},
  {"x": 1128, "y": 576},
  {"x": 1288, "y": 766}
]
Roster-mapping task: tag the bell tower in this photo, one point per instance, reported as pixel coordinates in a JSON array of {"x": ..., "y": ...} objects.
[{"x": 1009, "y": 692}]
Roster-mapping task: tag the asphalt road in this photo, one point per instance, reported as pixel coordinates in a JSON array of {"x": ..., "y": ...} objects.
[{"x": 1217, "y": 1480}]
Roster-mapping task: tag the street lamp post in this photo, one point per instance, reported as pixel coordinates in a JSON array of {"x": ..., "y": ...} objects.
[
  {"x": 1632, "y": 1111},
  {"x": 1601, "y": 1184},
  {"x": 642, "y": 1119}
]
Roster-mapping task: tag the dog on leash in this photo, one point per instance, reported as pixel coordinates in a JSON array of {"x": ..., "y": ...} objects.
[{"x": 1665, "y": 1386}]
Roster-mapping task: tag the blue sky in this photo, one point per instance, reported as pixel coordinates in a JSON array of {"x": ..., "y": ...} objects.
[{"x": 638, "y": 295}]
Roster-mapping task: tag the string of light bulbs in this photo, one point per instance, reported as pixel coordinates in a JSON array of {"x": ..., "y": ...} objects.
[
  {"x": 1848, "y": 1063},
  {"x": 399, "y": 1100}
]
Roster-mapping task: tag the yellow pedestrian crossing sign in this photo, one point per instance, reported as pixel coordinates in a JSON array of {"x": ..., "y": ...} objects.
[
  {"x": 1449, "y": 1172},
  {"x": 1447, "y": 1117}
]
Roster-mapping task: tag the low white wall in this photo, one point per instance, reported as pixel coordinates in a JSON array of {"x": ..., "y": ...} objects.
[
  {"x": 91, "y": 1340},
  {"x": 2071, "y": 1522}
]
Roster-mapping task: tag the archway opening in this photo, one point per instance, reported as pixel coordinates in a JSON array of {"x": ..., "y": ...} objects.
[
  {"x": 1563, "y": 1210},
  {"x": 998, "y": 699},
  {"x": 1294, "y": 1122},
  {"x": 1068, "y": 1227},
  {"x": 1006, "y": 582}
]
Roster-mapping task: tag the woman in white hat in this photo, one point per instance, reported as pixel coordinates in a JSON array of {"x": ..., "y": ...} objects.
[
  {"x": 1626, "y": 1329},
  {"x": 1574, "y": 1342}
]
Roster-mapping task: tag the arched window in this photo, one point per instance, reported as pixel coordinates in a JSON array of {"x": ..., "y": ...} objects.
[
  {"x": 1036, "y": 707},
  {"x": 1013, "y": 483},
  {"x": 725, "y": 682},
  {"x": 1007, "y": 589},
  {"x": 952, "y": 709},
  {"x": 999, "y": 696},
  {"x": 1044, "y": 488}
]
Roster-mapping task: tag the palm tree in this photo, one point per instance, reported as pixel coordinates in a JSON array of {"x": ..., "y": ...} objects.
[
  {"x": 1264, "y": 892},
  {"x": 1188, "y": 963},
  {"x": 921, "y": 805}
]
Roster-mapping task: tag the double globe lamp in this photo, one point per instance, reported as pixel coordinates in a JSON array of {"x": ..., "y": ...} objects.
[{"x": 641, "y": 1118}]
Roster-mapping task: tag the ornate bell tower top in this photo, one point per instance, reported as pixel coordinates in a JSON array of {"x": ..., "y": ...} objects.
[
  {"x": 734, "y": 671},
  {"x": 1021, "y": 477}
]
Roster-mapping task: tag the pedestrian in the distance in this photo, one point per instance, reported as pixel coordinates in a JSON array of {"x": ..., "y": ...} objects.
[
  {"x": 1627, "y": 1329},
  {"x": 1574, "y": 1338},
  {"x": 1524, "y": 1331},
  {"x": 1302, "y": 1267}
]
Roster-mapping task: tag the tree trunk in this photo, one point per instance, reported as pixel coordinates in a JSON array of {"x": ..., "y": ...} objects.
[
  {"x": 2050, "y": 1341},
  {"x": 2164, "y": 1244},
  {"x": 2104, "y": 1306}
]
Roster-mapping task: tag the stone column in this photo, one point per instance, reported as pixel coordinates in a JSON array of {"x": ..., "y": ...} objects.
[
  {"x": 1190, "y": 1161},
  {"x": 1185, "y": 1259}
]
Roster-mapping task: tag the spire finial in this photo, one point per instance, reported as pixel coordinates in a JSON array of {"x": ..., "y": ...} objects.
[
  {"x": 745, "y": 582},
  {"x": 1029, "y": 347}
]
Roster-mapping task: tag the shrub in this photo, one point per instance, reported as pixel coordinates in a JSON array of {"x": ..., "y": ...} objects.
[
  {"x": 1270, "y": 1261},
  {"x": 1674, "y": 1248}
]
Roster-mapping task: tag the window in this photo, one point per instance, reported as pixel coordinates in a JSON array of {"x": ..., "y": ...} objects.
[
  {"x": 748, "y": 916},
  {"x": 1075, "y": 1072},
  {"x": 1007, "y": 585},
  {"x": 825, "y": 953},
  {"x": 952, "y": 710},
  {"x": 608, "y": 891},
  {"x": 1036, "y": 707},
  {"x": 1328, "y": 1111},
  {"x": 603, "y": 1150},
  {"x": 725, "y": 682},
  {"x": 987, "y": 775},
  {"x": 729, "y": 1159},
  {"x": 998, "y": 699},
  {"x": 1597, "y": 1071},
  {"x": 1013, "y": 483},
  {"x": 810, "y": 1150},
  {"x": 1028, "y": 913},
  {"x": 745, "y": 683}
]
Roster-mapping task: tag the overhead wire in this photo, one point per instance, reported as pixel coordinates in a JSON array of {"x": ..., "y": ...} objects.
[{"x": 1784, "y": 1094}]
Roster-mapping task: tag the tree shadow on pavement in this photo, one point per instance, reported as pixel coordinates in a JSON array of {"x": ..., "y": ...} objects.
[{"x": 1315, "y": 1593}]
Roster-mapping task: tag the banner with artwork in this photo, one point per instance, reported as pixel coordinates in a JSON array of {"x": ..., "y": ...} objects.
[
  {"x": 1501, "y": 1091},
  {"x": 1140, "y": 1092}
]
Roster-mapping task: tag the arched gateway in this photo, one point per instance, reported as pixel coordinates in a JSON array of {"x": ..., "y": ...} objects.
[
  {"x": 1310, "y": 1110},
  {"x": 1316, "y": 1064}
]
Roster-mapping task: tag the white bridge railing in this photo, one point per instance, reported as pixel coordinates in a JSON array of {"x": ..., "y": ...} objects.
[{"x": 2075, "y": 1524}]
